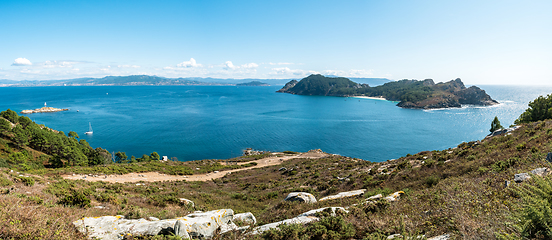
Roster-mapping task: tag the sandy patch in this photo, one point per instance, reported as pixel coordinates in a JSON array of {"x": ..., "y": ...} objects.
[
  {"x": 373, "y": 98},
  {"x": 155, "y": 176}
]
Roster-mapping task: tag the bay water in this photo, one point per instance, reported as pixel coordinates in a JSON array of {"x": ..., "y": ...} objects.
[{"x": 218, "y": 122}]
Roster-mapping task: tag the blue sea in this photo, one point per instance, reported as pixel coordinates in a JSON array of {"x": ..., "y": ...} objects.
[{"x": 218, "y": 122}]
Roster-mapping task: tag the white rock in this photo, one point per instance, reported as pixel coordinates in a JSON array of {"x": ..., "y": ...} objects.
[
  {"x": 397, "y": 235},
  {"x": 247, "y": 218},
  {"x": 394, "y": 196},
  {"x": 181, "y": 230},
  {"x": 375, "y": 197},
  {"x": 441, "y": 237},
  {"x": 187, "y": 202},
  {"x": 301, "y": 197},
  {"x": 312, "y": 213},
  {"x": 199, "y": 225},
  {"x": 344, "y": 195}
]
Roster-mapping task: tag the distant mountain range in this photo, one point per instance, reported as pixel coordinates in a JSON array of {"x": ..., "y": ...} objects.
[{"x": 138, "y": 80}]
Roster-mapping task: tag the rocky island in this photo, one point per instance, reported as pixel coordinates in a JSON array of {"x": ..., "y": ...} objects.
[
  {"x": 253, "y": 83},
  {"x": 414, "y": 94},
  {"x": 44, "y": 109}
]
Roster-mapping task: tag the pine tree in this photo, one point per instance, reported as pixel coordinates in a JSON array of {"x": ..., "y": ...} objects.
[{"x": 495, "y": 125}]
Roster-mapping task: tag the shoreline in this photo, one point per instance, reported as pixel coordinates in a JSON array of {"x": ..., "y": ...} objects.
[{"x": 373, "y": 98}]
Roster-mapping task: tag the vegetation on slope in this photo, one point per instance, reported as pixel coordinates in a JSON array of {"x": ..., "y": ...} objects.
[{"x": 460, "y": 191}]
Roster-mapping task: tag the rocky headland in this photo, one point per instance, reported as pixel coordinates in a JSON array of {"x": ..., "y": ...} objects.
[{"x": 414, "y": 94}]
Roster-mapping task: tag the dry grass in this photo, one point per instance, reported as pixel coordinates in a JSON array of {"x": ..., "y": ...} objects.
[{"x": 459, "y": 191}]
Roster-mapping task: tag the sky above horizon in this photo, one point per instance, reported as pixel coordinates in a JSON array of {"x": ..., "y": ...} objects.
[{"x": 481, "y": 42}]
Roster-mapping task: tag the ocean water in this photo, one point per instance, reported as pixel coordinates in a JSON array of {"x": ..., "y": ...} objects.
[{"x": 217, "y": 122}]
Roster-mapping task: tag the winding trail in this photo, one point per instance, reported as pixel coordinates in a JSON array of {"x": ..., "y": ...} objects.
[{"x": 155, "y": 176}]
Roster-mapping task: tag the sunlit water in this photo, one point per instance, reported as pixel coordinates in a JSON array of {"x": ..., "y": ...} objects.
[{"x": 206, "y": 122}]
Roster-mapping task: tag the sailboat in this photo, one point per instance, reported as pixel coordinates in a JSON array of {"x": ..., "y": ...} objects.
[{"x": 89, "y": 129}]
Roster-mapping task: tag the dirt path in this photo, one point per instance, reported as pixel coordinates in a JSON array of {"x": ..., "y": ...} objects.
[{"x": 155, "y": 176}]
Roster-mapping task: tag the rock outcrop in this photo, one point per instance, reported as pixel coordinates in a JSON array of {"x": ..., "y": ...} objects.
[
  {"x": 198, "y": 225},
  {"x": 301, "y": 197},
  {"x": 295, "y": 220},
  {"x": 288, "y": 86},
  {"x": 340, "y": 195},
  {"x": 520, "y": 177},
  {"x": 332, "y": 211}
]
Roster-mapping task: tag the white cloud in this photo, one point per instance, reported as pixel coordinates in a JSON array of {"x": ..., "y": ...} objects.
[
  {"x": 228, "y": 65},
  {"x": 58, "y": 64},
  {"x": 189, "y": 64},
  {"x": 285, "y": 71},
  {"x": 128, "y": 66},
  {"x": 282, "y": 63},
  {"x": 361, "y": 73},
  {"x": 22, "y": 62}
]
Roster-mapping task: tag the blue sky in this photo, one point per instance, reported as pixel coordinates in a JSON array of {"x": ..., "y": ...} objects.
[{"x": 482, "y": 42}]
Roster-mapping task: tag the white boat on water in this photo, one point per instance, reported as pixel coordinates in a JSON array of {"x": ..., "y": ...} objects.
[{"x": 89, "y": 129}]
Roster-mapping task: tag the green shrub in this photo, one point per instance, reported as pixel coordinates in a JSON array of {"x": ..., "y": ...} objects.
[
  {"x": 503, "y": 165},
  {"x": 432, "y": 181},
  {"x": 520, "y": 146},
  {"x": 4, "y": 182},
  {"x": 534, "y": 219},
  {"x": 285, "y": 231},
  {"x": 375, "y": 206},
  {"x": 75, "y": 198},
  {"x": 28, "y": 181}
]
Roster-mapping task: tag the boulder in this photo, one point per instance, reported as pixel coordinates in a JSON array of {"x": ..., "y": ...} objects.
[
  {"x": 181, "y": 230},
  {"x": 199, "y": 225},
  {"x": 301, "y": 197},
  {"x": 540, "y": 171},
  {"x": 344, "y": 195},
  {"x": 187, "y": 202},
  {"x": 375, "y": 197},
  {"x": 312, "y": 213},
  {"x": 394, "y": 196},
  {"x": 441, "y": 237},
  {"x": 520, "y": 177},
  {"x": 295, "y": 220},
  {"x": 395, "y": 236},
  {"x": 247, "y": 218}
]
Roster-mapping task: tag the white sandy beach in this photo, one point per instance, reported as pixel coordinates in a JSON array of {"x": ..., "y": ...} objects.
[{"x": 373, "y": 98}]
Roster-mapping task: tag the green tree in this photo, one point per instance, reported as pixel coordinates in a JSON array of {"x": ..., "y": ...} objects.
[
  {"x": 73, "y": 134},
  {"x": 10, "y": 116},
  {"x": 495, "y": 125},
  {"x": 4, "y": 125},
  {"x": 20, "y": 136},
  {"x": 539, "y": 109},
  {"x": 120, "y": 157},
  {"x": 154, "y": 156}
]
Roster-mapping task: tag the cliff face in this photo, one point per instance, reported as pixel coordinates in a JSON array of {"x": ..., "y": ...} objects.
[
  {"x": 410, "y": 93},
  {"x": 288, "y": 86},
  {"x": 475, "y": 96}
]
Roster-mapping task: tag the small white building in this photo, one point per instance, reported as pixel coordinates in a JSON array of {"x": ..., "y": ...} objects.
[{"x": 165, "y": 158}]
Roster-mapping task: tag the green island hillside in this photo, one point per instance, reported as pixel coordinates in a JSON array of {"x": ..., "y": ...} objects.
[
  {"x": 409, "y": 93},
  {"x": 54, "y": 186}
]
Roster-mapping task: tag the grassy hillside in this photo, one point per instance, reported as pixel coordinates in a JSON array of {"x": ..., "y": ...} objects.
[{"x": 460, "y": 191}]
